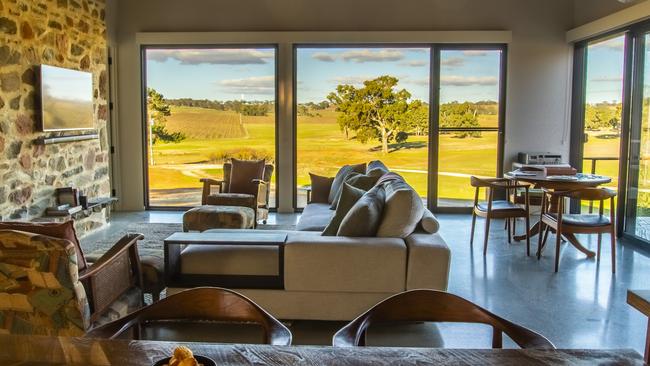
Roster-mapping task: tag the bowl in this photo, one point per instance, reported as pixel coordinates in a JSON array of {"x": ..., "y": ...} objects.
[{"x": 202, "y": 360}]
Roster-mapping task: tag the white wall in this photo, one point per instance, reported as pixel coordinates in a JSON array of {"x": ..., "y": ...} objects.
[{"x": 538, "y": 70}]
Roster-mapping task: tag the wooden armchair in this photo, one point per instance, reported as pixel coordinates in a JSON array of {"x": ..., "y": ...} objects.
[
  {"x": 436, "y": 306},
  {"x": 245, "y": 183},
  {"x": 200, "y": 304},
  {"x": 42, "y": 291}
]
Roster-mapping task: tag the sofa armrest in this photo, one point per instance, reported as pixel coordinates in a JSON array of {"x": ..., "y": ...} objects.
[{"x": 429, "y": 260}]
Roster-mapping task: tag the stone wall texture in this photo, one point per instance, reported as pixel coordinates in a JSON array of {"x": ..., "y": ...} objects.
[{"x": 63, "y": 33}]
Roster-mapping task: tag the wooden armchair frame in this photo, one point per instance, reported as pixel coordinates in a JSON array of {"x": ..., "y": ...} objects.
[
  {"x": 490, "y": 213},
  {"x": 112, "y": 275},
  {"x": 200, "y": 304},
  {"x": 555, "y": 223},
  {"x": 436, "y": 306}
]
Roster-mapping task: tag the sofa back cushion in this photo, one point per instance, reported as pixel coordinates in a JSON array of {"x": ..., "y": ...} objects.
[
  {"x": 356, "y": 180},
  {"x": 340, "y": 178},
  {"x": 242, "y": 174},
  {"x": 61, "y": 230},
  {"x": 349, "y": 196},
  {"x": 364, "y": 217},
  {"x": 376, "y": 168},
  {"x": 320, "y": 188},
  {"x": 403, "y": 210}
]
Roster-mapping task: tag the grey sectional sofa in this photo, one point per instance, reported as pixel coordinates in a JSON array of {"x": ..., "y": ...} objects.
[{"x": 328, "y": 277}]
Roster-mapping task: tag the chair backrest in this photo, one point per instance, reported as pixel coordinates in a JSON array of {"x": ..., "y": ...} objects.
[
  {"x": 589, "y": 194},
  {"x": 201, "y": 304},
  {"x": 40, "y": 291},
  {"x": 228, "y": 170},
  {"x": 436, "y": 306}
]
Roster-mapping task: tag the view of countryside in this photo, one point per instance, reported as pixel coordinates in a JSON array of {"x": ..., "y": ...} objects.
[{"x": 354, "y": 105}]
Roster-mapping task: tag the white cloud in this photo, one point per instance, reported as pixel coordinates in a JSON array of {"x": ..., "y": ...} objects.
[
  {"x": 453, "y": 62},
  {"x": 252, "y": 85},
  {"x": 457, "y": 80},
  {"x": 366, "y": 55},
  {"x": 615, "y": 44},
  {"x": 414, "y": 63},
  {"x": 324, "y": 56},
  {"x": 351, "y": 80},
  {"x": 606, "y": 79},
  {"x": 475, "y": 53},
  {"x": 212, "y": 56},
  {"x": 421, "y": 81}
]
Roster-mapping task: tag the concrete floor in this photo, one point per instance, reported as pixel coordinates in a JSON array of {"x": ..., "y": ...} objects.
[{"x": 582, "y": 306}]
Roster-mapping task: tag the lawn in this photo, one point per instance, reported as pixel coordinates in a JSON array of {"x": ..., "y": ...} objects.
[{"x": 322, "y": 149}]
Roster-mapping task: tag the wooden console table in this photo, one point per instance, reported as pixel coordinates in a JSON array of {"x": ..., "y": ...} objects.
[
  {"x": 35, "y": 350},
  {"x": 172, "y": 250}
]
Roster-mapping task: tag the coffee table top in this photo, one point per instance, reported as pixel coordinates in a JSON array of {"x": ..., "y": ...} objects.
[
  {"x": 640, "y": 300},
  {"x": 247, "y": 237}
]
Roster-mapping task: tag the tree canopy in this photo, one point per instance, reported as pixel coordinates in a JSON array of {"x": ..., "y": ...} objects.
[
  {"x": 460, "y": 115},
  {"x": 158, "y": 110},
  {"x": 375, "y": 111}
]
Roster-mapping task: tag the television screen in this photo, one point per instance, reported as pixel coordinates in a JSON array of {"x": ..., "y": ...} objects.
[{"x": 66, "y": 99}]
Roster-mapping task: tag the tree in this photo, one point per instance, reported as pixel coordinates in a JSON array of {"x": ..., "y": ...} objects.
[
  {"x": 158, "y": 110},
  {"x": 417, "y": 118},
  {"x": 460, "y": 115},
  {"x": 374, "y": 111}
]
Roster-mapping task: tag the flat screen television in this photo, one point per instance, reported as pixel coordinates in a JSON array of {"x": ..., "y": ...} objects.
[{"x": 66, "y": 99}]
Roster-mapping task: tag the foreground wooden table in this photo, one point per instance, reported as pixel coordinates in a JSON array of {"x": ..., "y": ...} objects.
[
  {"x": 640, "y": 300},
  {"x": 34, "y": 350}
]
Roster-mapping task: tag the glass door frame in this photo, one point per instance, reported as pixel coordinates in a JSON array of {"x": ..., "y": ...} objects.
[
  {"x": 145, "y": 123},
  {"x": 632, "y": 81},
  {"x": 434, "y": 110}
]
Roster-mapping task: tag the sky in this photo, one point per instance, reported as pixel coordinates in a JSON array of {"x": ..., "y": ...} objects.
[
  {"x": 249, "y": 73},
  {"x": 605, "y": 64},
  {"x": 67, "y": 84}
]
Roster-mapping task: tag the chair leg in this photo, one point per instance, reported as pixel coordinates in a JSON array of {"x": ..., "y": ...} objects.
[
  {"x": 613, "y": 234},
  {"x": 514, "y": 226},
  {"x": 540, "y": 242},
  {"x": 487, "y": 235},
  {"x": 509, "y": 232},
  {"x": 600, "y": 239},
  {"x": 471, "y": 240},
  {"x": 528, "y": 235},
  {"x": 558, "y": 241}
]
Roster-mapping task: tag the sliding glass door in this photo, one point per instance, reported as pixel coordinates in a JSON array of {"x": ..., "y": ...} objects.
[
  {"x": 204, "y": 106},
  {"x": 638, "y": 191}
]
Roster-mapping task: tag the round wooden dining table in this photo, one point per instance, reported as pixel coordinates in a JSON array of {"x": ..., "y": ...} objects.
[{"x": 558, "y": 183}]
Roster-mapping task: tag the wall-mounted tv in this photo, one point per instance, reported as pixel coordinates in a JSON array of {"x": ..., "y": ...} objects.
[{"x": 66, "y": 99}]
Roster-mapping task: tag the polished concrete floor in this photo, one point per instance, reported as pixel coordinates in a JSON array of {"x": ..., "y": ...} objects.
[{"x": 582, "y": 306}]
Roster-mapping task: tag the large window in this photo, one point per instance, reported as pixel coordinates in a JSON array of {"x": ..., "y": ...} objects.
[
  {"x": 357, "y": 104},
  {"x": 469, "y": 120},
  {"x": 204, "y": 106}
]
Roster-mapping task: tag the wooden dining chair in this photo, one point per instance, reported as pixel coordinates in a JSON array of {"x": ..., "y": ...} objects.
[
  {"x": 562, "y": 223},
  {"x": 499, "y": 209},
  {"x": 436, "y": 306},
  {"x": 199, "y": 305}
]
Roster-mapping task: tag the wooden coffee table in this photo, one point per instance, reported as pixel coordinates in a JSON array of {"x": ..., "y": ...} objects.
[{"x": 173, "y": 246}]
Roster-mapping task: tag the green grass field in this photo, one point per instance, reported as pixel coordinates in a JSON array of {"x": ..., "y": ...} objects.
[{"x": 322, "y": 149}]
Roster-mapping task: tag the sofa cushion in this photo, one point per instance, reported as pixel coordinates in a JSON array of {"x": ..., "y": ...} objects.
[
  {"x": 320, "y": 188},
  {"x": 356, "y": 180},
  {"x": 429, "y": 259},
  {"x": 349, "y": 196},
  {"x": 376, "y": 168},
  {"x": 258, "y": 260},
  {"x": 315, "y": 217},
  {"x": 242, "y": 174},
  {"x": 340, "y": 178},
  {"x": 429, "y": 222},
  {"x": 344, "y": 264},
  {"x": 63, "y": 230},
  {"x": 364, "y": 217},
  {"x": 402, "y": 212}
]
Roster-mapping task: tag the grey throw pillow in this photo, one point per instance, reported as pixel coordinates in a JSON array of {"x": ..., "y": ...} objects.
[
  {"x": 364, "y": 217},
  {"x": 429, "y": 222},
  {"x": 356, "y": 180},
  {"x": 376, "y": 167},
  {"x": 337, "y": 184},
  {"x": 349, "y": 196},
  {"x": 403, "y": 211}
]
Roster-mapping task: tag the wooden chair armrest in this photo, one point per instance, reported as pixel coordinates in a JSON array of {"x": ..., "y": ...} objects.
[
  {"x": 127, "y": 242},
  {"x": 212, "y": 181}
]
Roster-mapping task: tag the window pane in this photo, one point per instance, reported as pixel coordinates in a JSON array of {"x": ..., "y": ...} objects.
[
  {"x": 604, "y": 93},
  {"x": 337, "y": 126},
  {"x": 205, "y": 106},
  {"x": 469, "y": 99}
]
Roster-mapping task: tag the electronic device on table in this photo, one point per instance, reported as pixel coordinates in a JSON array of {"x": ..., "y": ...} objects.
[{"x": 539, "y": 158}]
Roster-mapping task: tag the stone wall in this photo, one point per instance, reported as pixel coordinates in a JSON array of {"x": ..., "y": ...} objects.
[{"x": 64, "y": 33}]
